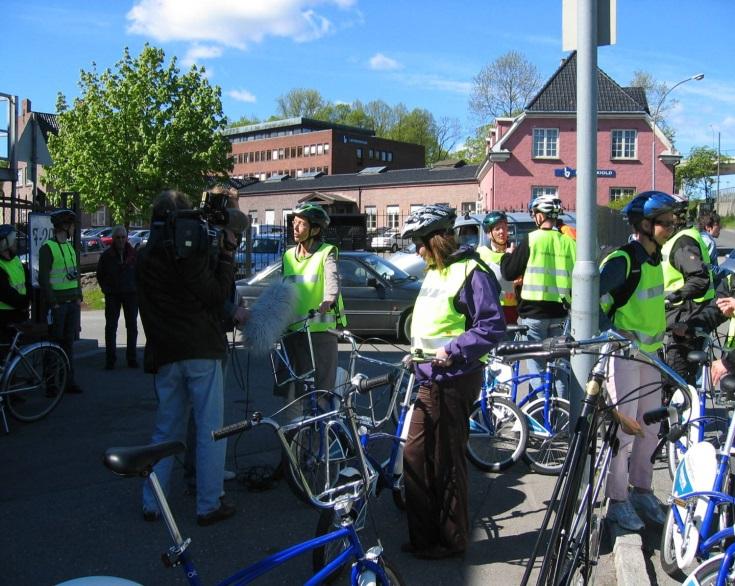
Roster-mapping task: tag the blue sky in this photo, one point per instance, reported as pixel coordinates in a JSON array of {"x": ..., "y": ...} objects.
[{"x": 424, "y": 54}]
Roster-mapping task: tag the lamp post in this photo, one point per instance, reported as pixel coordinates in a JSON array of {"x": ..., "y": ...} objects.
[{"x": 696, "y": 77}]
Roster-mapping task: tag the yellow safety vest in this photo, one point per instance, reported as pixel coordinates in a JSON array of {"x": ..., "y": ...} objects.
[
  {"x": 548, "y": 275},
  {"x": 673, "y": 279},
  {"x": 64, "y": 263},
  {"x": 307, "y": 275},
  {"x": 492, "y": 257},
  {"x": 16, "y": 277}
]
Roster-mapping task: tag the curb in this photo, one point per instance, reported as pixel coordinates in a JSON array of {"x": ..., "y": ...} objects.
[{"x": 630, "y": 566}]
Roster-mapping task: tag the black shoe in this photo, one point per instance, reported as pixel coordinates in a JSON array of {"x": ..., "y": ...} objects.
[
  {"x": 225, "y": 511},
  {"x": 150, "y": 516},
  {"x": 132, "y": 363},
  {"x": 73, "y": 389}
]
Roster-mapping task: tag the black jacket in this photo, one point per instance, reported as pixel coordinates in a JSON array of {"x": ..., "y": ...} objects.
[
  {"x": 181, "y": 303},
  {"x": 115, "y": 273}
]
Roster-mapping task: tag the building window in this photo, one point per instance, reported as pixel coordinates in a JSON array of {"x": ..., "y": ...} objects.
[
  {"x": 257, "y": 156},
  {"x": 617, "y": 193},
  {"x": 99, "y": 216},
  {"x": 468, "y": 207},
  {"x": 358, "y": 154},
  {"x": 312, "y": 150},
  {"x": 274, "y": 156},
  {"x": 253, "y": 216},
  {"x": 285, "y": 213},
  {"x": 371, "y": 154},
  {"x": 537, "y": 191},
  {"x": 624, "y": 144},
  {"x": 326, "y": 148},
  {"x": 270, "y": 216},
  {"x": 371, "y": 218},
  {"x": 299, "y": 151},
  {"x": 393, "y": 216},
  {"x": 390, "y": 156},
  {"x": 281, "y": 154},
  {"x": 546, "y": 143},
  {"x": 320, "y": 149}
]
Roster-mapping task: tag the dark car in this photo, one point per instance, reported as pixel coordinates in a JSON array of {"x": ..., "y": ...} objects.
[{"x": 378, "y": 296}]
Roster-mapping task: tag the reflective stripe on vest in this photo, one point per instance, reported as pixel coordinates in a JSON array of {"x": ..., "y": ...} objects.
[
  {"x": 673, "y": 279},
  {"x": 436, "y": 322},
  {"x": 548, "y": 275},
  {"x": 643, "y": 315},
  {"x": 307, "y": 275},
  {"x": 16, "y": 277},
  {"x": 64, "y": 262}
]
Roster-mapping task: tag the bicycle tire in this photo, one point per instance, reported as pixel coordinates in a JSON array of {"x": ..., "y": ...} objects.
[
  {"x": 497, "y": 444},
  {"x": 321, "y": 556},
  {"x": 705, "y": 574},
  {"x": 394, "y": 577},
  {"x": 545, "y": 451},
  {"x": 306, "y": 445},
  {"x": 399, "y": 495},
  {"x": 667, "y": 555},
  {"x": 35, "y": 381}
]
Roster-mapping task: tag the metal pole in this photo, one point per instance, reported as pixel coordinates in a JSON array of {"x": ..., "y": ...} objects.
[
  {"x": 718, "y": 164},
  {"x": 13, "y": 101},
  {"x": 586, "y": 276}
]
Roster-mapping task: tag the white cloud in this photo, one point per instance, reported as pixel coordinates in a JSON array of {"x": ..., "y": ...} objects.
[
  {"x": 436, "y": 82},
  {"x": 233, "y": 23},
  {"x": 242, "y": 96},
  {"x": 197, "y": 53},
  {"x": 380, "y": 62}
]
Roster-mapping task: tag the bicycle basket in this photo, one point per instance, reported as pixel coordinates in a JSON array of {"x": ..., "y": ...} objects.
[{"x": 293, "y": 357}]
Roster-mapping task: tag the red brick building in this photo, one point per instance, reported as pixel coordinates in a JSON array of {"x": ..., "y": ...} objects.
[{"x": 298, "y": 146}]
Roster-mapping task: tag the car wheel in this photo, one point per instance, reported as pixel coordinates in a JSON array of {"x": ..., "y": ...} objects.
[
  {"x": 406, "y": 326},
  {"x": 394, "y": 247}
]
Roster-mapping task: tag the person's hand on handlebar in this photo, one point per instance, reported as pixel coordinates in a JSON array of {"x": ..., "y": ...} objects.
[
  {"x": 717, "y": 371},
  {"x": 726, "y": 305},
  {"x": 325, "y": 306},
  {"x": 441, "y": 358}
]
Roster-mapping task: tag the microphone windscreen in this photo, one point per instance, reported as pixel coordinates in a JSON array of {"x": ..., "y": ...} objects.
[
  {"x": 271, "y": 313},
  {"x": 237, "y": 221}
]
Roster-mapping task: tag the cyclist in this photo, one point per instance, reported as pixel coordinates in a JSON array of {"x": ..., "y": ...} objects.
[
  {"x": 58, "y": 278},
  {"x": 689, "y": 288},
  {"x": 312, "y": 267},
  {"x": 457, "y": 320},
  {"x": 709, "y": 229},
  {"x": 545, "y": 260},
  {"x": 15, "y": 286},
  {"x": 495, "y": 225},
  {"x": 631, "y": 286}
]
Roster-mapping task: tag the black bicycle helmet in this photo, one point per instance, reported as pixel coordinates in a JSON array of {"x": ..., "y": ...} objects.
[
  {"x": 427, "y": 220},
  {"x": 62, "y": 217},
  {"x": 7, "y": 236},
  {"x": 492, "y": 218},
  {"x": 650, "y": 204},
  {"x": 314, "y": 213}
]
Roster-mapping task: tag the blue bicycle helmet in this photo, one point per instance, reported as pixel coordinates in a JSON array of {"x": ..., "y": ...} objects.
[
  {"x": 493, "y": 218},
  {"x": 650, "y": 204}
]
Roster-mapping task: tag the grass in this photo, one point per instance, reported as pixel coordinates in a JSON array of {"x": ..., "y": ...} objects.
[
  {"x": 93, "y": 298},
  {"x": 727, "y": 222}
]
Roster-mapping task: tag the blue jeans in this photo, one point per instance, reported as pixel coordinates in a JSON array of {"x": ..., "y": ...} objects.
[
  {"x": 540, "y": 329},
  {"x": 179, "y": 384}
]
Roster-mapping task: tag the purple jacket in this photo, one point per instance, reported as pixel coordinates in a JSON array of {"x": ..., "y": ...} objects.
[{"x": 478, "y": 300}]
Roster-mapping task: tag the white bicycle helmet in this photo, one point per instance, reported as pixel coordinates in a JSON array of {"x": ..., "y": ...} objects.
[
  {"x": 549, "y": 205},
  {"x": 427, "y": 220}
]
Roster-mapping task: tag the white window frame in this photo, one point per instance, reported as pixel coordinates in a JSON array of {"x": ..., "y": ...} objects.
[
  {"x": 617, "y": 193},
  {"x": 628, "y": 138},
  {"x": 371, "y": 218},
  {"x": 270, "y": 217},
  {"x": 99, "y": 216},
  {"x": 393, "y": 216},
  {"x": 538, "y": 190},
  {"x": 544, "y": 145},
  {"x": 468, "y": 207},
  {"x": 285, "y": 213}
]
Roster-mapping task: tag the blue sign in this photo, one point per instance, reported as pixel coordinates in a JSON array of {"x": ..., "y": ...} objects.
[{"x": 568, "y": 172}]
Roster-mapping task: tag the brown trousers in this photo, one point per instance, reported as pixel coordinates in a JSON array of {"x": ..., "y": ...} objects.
[{"x": 435, "y": 464}]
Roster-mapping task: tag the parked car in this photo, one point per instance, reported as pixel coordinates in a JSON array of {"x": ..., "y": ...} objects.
[
  {"x": 90, "y": 250},
  {"x": 387, "y": 239},
  {"x": 89, "y": 232},
  {"x": 266, "y": 250},
  {"x": 378, "y": 296},
  {"x": 138, "y": 238}
]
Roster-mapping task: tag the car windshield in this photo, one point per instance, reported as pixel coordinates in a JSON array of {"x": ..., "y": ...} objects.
[
  {"x": 265, "y": 245},
  {"x": 384, "y": 268},
  {"x": 268, "y": 275}
]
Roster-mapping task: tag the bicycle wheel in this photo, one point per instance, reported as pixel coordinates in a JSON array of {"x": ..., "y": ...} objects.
[
  {"x": 667, "y": 552},
  {"x": 548, "y": 441},
  {"x": 320, "y": 450},
  {"x": 705, "y": 574},
  {"x": 394, "y": 578},
  {"x": 675, "y": 451},
  {"x": 497, "y": 436},
  {"x": 321, "y": 556},
  {"x": 35, "y": 382}
]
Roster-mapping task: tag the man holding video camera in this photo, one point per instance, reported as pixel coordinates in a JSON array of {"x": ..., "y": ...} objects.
[{"x": 184, "y": 275}]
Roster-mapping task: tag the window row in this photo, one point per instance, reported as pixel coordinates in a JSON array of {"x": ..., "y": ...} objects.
[
  {"x": 546, "y": 144},
  {"x": 289, "y": 172},
  {"x": 374, "y": 154},
  {"x": 273, "y": 134},
  {"x": 311, "y": 150},
  {"x": 615, "y": 193}
]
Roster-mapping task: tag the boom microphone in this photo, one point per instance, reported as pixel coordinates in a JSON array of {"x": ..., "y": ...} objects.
[{"x": 271, "y": 313}]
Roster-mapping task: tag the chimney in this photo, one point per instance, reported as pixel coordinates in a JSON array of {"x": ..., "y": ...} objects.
[{"x": 26, "y": 106}]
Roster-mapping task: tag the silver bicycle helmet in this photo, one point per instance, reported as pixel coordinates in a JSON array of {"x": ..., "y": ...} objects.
[
  {"x": 549, "y": 205},
  {"x": 429, "y": 219}
]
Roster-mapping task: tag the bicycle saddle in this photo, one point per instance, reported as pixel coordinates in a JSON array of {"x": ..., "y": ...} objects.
[
  {"x": 727, "y": 385},
  {"x": 139, "y": 460},
  {"x": 697, "y": 356}
]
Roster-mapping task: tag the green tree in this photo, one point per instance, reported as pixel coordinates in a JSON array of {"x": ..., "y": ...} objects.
[
  {"x": 474, "y": 148},
  {"x": 655, "y": 90},
  {"x": 696, "y": 175},
  {"x": 504, "y": 87},
  {"x": 136, "y": 130},
  {"x": 242, "y": 121},
  {"x": 300, "y": 102}
]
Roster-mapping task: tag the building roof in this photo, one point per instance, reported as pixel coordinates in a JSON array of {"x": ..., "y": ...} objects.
[
  {"x": 560, "y": 93},
  {"x": 296, "y": 122},
  {"x": 327, "y": 183},
  {"x": 48, "y": 123}
]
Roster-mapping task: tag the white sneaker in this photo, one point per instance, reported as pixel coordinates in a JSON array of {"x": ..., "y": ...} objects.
[
  {"x": 647, "y": 505},
  {"x": 624, "y": 515},
  {"x": 230, "y": 475}
]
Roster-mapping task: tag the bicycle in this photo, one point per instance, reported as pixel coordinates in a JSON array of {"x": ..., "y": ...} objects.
[
  {"x": 545, "y": 414},
  {"x": 33, "y": 377},
  {"x": 571, "y": 552},
  {"x": 368, "y": 566}
]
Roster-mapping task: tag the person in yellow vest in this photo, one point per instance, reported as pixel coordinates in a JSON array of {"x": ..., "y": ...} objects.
[
  {"x": 495, "y": 225},
  {"x": 689, "y": 289},
  {"x": 312, "y": 268},
  {"x": 61, "y": 291},
  {"x": 15, "y": 287},
  {"x": 545, "y": 260},
  {"x": 632, "y": 302},
  {"x": 457, "y": 321}
]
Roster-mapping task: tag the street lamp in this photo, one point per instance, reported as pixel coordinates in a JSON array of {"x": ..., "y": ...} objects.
[{"x": 697, "y": 77}]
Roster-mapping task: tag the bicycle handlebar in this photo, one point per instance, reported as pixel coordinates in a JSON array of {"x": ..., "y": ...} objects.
[
  {"x": 364, "y": 385},
  {"x": 238, "y": 427}
]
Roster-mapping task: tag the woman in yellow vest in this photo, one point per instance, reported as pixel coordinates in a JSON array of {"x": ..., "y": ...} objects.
[
  {"x": 632, "y": 299},
  {"x": 495, "y": 225},
  {"x": 15, "y": 286},
  {"x": 311, "y": 266},
  {"x": 457, "y": 320}
]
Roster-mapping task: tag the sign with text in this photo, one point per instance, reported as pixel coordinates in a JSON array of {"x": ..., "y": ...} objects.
[
  {"x": 568, "y": 172},
  {"x": 40, "y": 229}
]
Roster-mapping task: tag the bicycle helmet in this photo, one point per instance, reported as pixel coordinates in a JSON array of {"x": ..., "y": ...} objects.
[
  {"x": 314, "y": 213},
  {"x": 62, "y": 217},
  {"x": 492, "y": 218},
  {"x": 427, "y": 220},
  {"x": 650, "y": 204},
  {"x": 549, "y": 205},
  {"x": 7, "y": 237}
]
